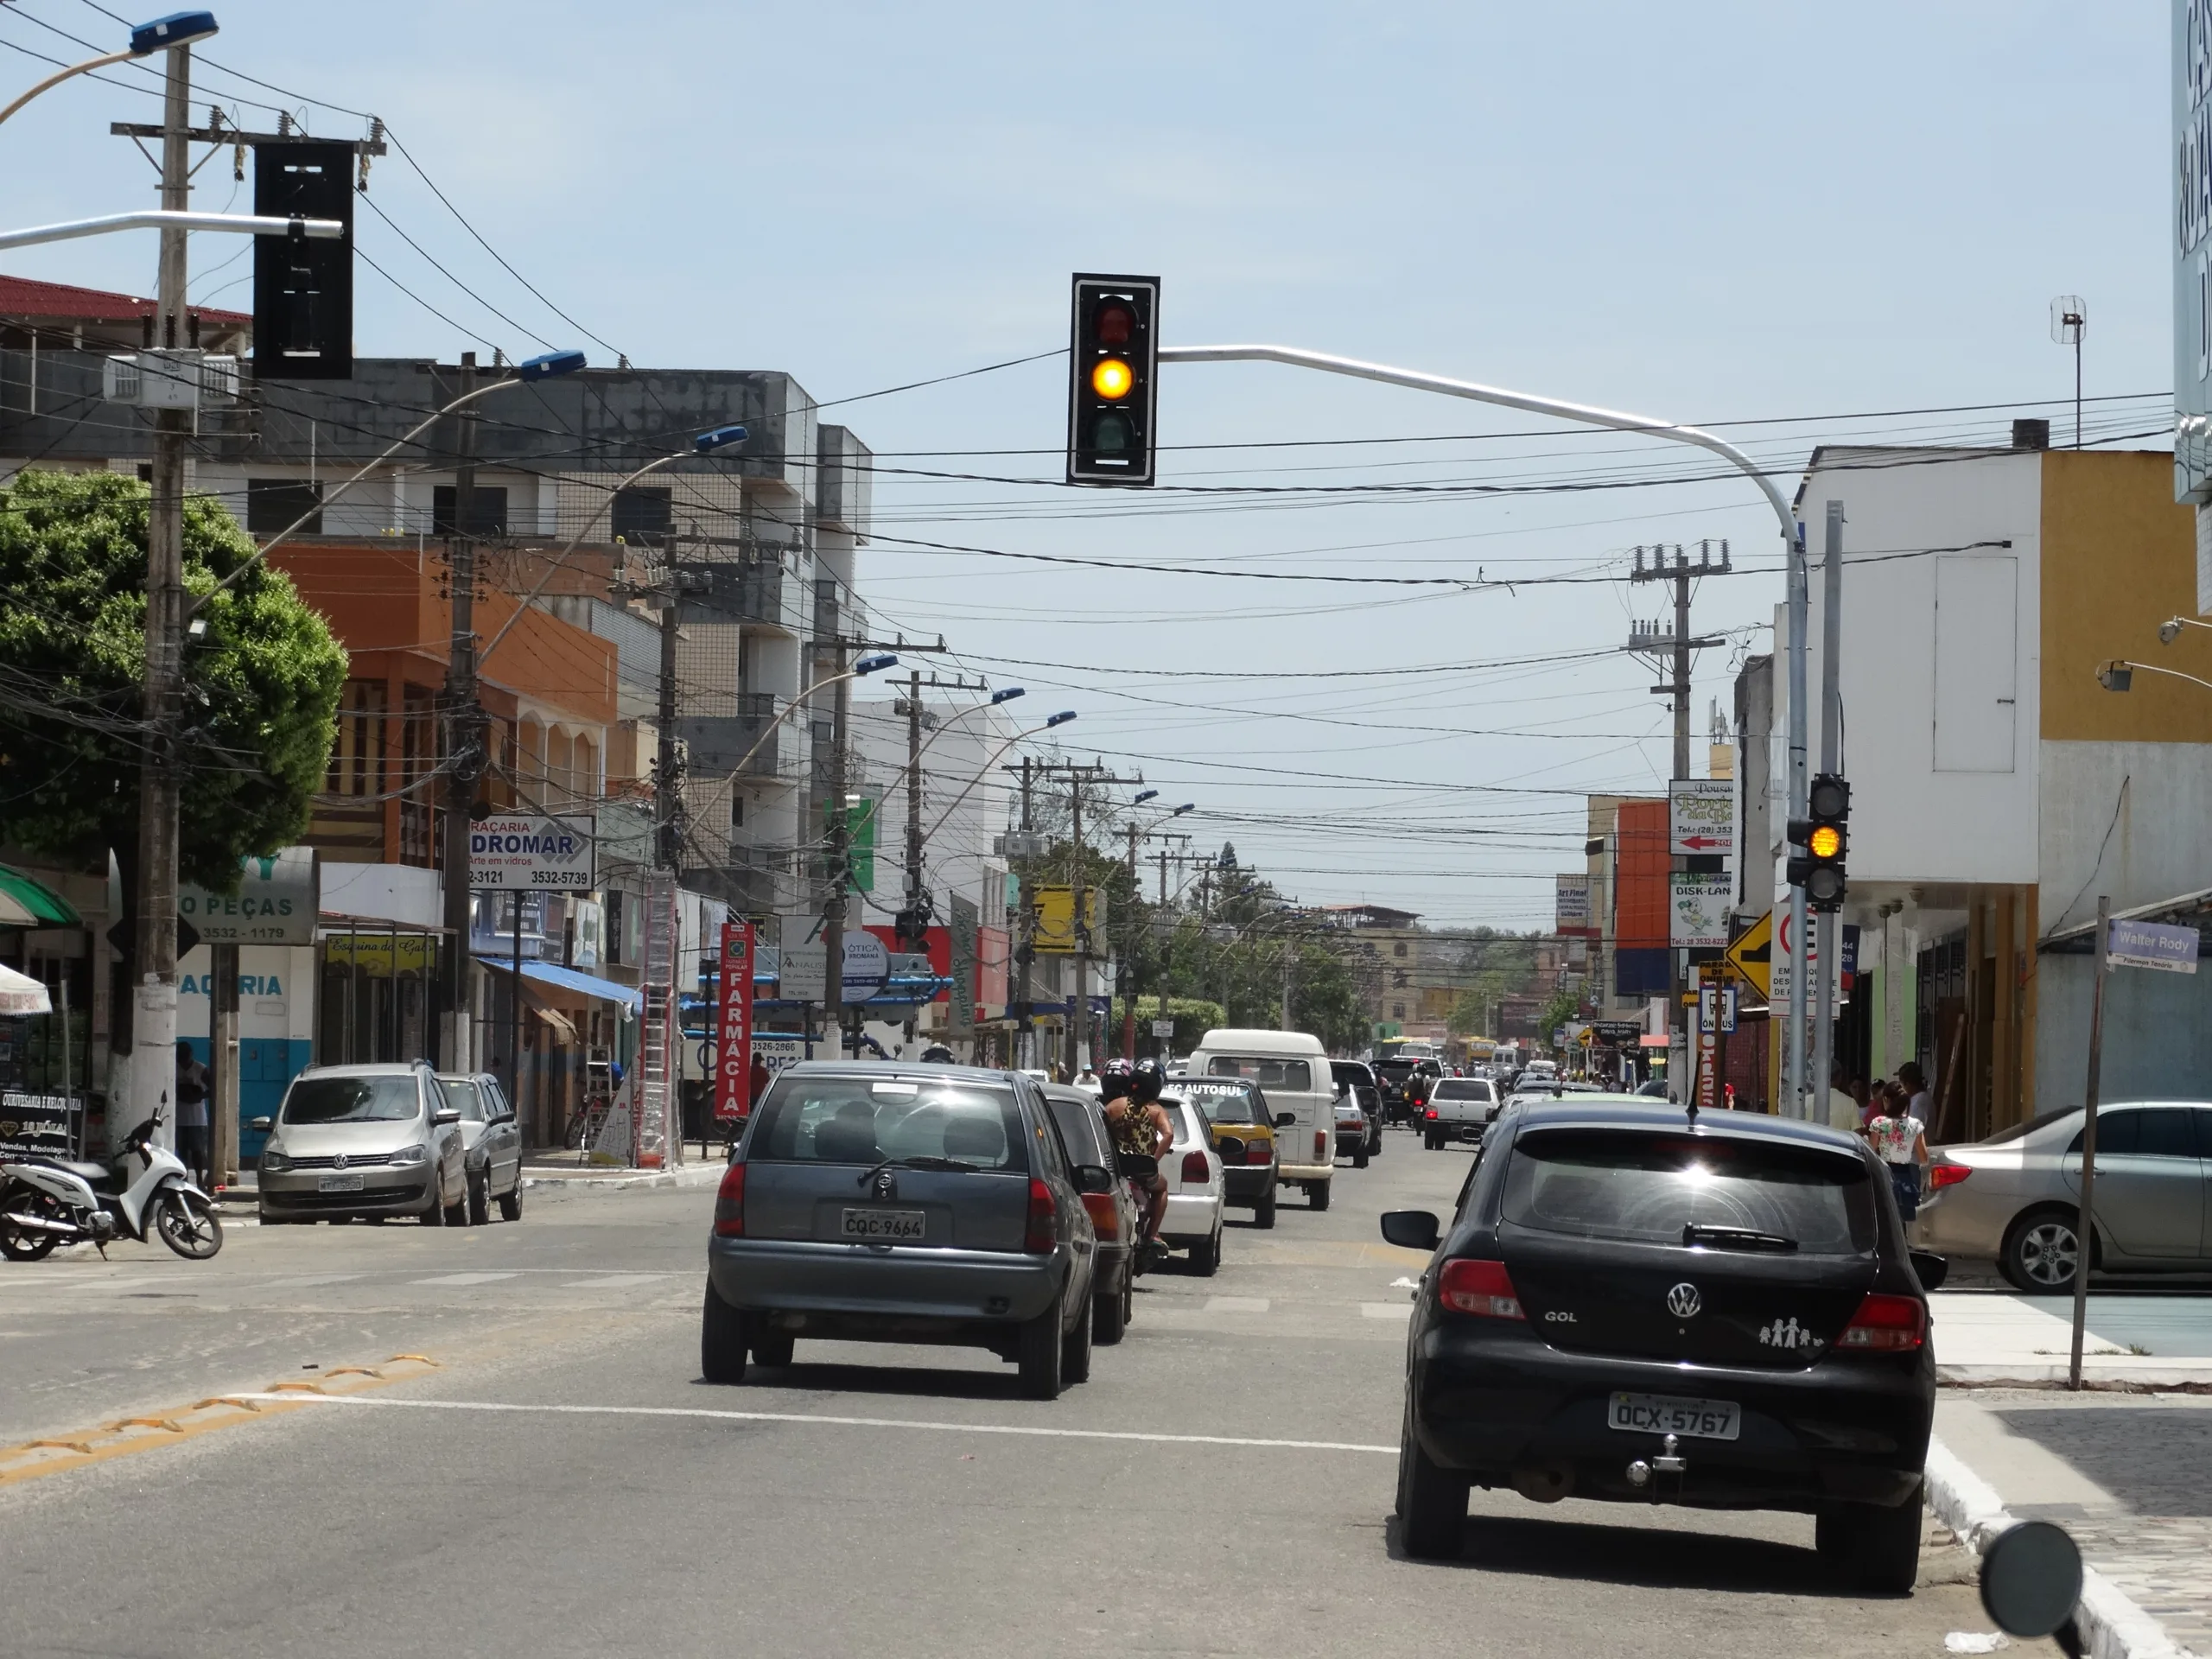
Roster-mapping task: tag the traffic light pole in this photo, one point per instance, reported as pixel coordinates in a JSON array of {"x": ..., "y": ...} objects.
[
  {"x": 1825, "y": 961},
  {"x": 1792, "y": 536}
]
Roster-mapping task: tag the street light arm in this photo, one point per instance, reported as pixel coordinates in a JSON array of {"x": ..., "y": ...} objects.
[
  {"x": 2170, "y": 673},
  {"x": 56, "y": 79},
  {"x": 981, "y": 773},
  {"x": 943, "y": 727},
  {"x": 160, "y": 218}
]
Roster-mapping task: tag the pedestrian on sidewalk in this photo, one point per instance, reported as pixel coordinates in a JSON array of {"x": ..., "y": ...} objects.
[
  {"x": 1918, "y": 1100},
  {"x": 1900, "y": 1141},
  {"x": 192, "y": 1115},
  {"x": 1843, "y": 1110}
]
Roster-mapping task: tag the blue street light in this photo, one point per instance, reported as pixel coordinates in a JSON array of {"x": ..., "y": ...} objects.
[
  {"x": 1008, "y": 694},
  {"x": 720, "y": 438},
  {"x": 546, "y": 365},
  {"x": 1060, "y": 719},
  {"x": 870, "y": 664},
  {"x": 178, "y": 28},
  {"x": 1143, "y": 796},
  {"x": 1187, "y": 806}
]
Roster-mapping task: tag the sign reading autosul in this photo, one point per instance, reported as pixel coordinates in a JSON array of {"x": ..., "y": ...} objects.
[{"x": 536, "y": 854}]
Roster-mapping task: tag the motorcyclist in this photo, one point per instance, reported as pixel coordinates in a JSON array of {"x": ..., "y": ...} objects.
[{"x": 1142, "y": 1133}]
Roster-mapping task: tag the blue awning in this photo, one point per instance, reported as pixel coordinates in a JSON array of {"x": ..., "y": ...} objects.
[{"x": 569, "y": 979}]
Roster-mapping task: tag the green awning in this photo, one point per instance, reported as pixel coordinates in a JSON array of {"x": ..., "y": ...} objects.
[{"x": 26, "y": 903}]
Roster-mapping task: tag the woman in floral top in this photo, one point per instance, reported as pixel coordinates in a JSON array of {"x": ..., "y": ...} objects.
[{"x": 1900, "y": 1141}]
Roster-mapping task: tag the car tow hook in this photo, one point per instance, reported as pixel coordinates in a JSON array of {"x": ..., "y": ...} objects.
[{"x": 1668, "y": 1462}]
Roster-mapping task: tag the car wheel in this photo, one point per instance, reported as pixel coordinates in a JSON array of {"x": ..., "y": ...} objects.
[
  {"x": 773, "y": 1348},
  {"x": 721, "y": 1340},
  {"x": 1075, "y": 1352},
  {"x": 1205, "y": 1258},
  {"x": 1359, "y": 1158},
  {"x": 1317, "y": 1195},
  {"x": 478, "y": 1200},
  {"x": 511, "y": 1201},
  {"x": 2042, "y": 1252},
  {"x": 1878, "y": 1546},
  {"x": 1432, "y": 1501},
  {"x": 1037, "y": 1353},
  {"x": 1109, "y": 1312},
  {"x": 1264, "y": 1212},
  {"x": 460, "y": 1213},
  {"x": 1374, "y": 1142},
  {"x": 435, "y": 1214}
]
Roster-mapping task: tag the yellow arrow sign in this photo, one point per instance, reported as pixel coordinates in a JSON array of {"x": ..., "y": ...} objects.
[{"x": 1750, "y": 953}]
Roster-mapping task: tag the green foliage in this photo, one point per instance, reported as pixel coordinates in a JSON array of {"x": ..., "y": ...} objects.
[
  {"x": 261, "y": 689},
  {"x": 1193, "y": 1018}
]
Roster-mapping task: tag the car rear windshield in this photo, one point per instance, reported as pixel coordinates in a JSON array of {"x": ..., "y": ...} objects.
[
  {"x": 1394, "y": 1070},
  {"x": 351, "y": 1100},
  {"x": 868, "y": 1120},
  {"x": 1294, "y": 1075},
  {"x": 1225, "y": 1101},
  {"x": 1463, "y": 1088},
  {"x": 1592, "y": 1183}
]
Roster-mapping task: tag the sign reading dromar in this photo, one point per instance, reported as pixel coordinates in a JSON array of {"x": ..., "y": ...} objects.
[{"x": 533, "y": 854}]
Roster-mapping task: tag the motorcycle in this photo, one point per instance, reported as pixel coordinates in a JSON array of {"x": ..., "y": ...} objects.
[{"x": 48, "y": 1202}]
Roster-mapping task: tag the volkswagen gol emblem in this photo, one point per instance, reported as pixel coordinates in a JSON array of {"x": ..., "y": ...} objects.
[
  {"x": 1683, "y": 1301},
  {"x": 339, "y": 1162},
  {"x": 887, "y": 1184}
]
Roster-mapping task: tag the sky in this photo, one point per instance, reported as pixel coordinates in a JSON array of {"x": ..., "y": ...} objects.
[{"x": 1797, "y": 224}]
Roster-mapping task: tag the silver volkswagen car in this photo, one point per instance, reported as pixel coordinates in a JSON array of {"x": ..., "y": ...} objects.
[
  {"x": 2016, "y": 1196},
  {"x": 367, "y": 1140},
  {"x": 922, "y": 1203}
]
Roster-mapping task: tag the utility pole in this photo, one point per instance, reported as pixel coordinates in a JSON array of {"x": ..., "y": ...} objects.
[
  {"x": 1077, "y": 777},
  {"x": 153, "y": 1020},
  {"x": 913, "y": 920},
  {"x": 1825, "y": 946},
  {"x": 464, "y": 743},
  {"x": 1024, "y": 952},
  {"x": 1674, "y": 650}
]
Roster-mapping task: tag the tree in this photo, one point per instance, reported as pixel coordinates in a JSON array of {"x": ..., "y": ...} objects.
[{"x": 261, "y": 686}]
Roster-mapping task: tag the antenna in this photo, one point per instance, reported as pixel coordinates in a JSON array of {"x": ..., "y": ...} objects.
[{"x": 2069, "y": 321}]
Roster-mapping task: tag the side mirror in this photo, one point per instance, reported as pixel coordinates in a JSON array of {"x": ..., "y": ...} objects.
[
  {"x": 1093, "y": 1178},
  {"x": 444, "y": 1116},
  {"x": 261, "y": 1124},
  {"x": 2031, "y": 1580},
  {"x": 1411, "y": 1229},
  {"x": 1286, "y": 1120},
  {"x": 1930, "y": 1268}
]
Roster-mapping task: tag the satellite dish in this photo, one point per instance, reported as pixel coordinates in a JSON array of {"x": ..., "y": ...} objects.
[{"x": 2069, "y": 318}]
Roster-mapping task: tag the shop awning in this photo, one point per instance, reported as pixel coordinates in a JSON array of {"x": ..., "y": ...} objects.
[
  {"x": 568, "y": 979},
  {"x": 27, "y": 903},
  {"x": 21, "y": 994}
]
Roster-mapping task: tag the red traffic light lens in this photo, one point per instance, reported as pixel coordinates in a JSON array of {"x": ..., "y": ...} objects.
[{"x": 1115, "y": 324}]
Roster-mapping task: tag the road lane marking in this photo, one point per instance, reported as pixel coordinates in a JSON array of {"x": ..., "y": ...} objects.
[
  {"x": 613, "y": 1280},
  {"x": 465, "y": 1278},
  {"x": 701, "y": 1412},
  {"x": 1386, "y": 1310},
  {"x": 1234, "y": 1305},
  {"x": 304, "y": 1280}
]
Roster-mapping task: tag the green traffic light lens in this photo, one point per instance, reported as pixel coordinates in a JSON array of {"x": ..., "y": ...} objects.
[{"x": 1112, "y": 435}]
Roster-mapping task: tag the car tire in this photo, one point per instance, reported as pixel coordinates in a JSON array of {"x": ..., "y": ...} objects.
[
  {"x": 479, "y": 1200},
  {"x": 2042, "y": 1252},
  {"x": 1430, "y": 1141},
  {"x": 1878, "y": 1546},
  {"x": 1432, "y": 1501},
  {"x": 721, "y": 1340},
  {"x": 1359, "y": 1158},
  {"x": 1263, "y": 1211},
  {"x": 459, "y": 1213},
  {"x": 773, "y": 1348},
  {"x": 1317, "y": 1195},
  {"x": 435, "y": 1214},
  {"x": 511, "y": 1201},
  {"x": 1075, "y": 1352},
  {"x": 1205, "y": 1258},
  {"x": 1374, "y": 1142},
  {"x": 1037, "y": 1353},
  {"x": 1110, "y": 1315}
]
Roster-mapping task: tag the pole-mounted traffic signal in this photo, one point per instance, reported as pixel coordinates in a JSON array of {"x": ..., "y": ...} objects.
[
  {"x": 1113, "y": 356},
  {"x": 303, "y": 291},
  {"x": 1826, "y": 837}
]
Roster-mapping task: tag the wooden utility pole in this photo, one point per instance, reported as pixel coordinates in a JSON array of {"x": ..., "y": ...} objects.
[{"x": 465, "y": 744}]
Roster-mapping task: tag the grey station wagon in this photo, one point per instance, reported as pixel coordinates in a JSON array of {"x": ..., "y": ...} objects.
[{"x": 933, "y": 1204}]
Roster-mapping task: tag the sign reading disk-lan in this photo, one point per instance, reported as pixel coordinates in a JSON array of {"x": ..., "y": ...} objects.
[{"x": 532, "y": 853}]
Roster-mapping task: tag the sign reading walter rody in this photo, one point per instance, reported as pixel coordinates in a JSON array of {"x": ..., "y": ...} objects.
[{"x": 532, "y": 853}]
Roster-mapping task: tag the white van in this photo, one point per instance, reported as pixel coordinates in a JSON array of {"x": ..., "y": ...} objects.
[{"x": 1292, "y": 1071}]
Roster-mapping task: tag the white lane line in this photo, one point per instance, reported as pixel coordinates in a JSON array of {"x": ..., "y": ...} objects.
[
  {"x": 302, "y": 1280},
  {"x": 697, "y": 1412},
  {"x": 1386, "y": 1310},
  {"x": 465, "y": 1278},
  {"x": 1234, "y": 1305},
  {"x": 613, "y": 1280}
]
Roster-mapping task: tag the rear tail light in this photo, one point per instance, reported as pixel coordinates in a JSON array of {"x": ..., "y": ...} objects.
[
  {"x": 1886, "y": 1325},
  {"x": 729, "y": 1204},
  {"x": 1105, "y": 1219},
  {"x": 1942, "y": 1175},
  {"x": 1194, "y": 1168},
  {"x": 1432, "y": 1113},
  {"x": 1479, "y": 1288},
  {"x": 1042, "y": 1237},
  {"x": 1320, "y": 1143}
]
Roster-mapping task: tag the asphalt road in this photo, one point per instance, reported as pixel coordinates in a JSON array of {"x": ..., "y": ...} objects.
[{"x": 565, "y": 1483}]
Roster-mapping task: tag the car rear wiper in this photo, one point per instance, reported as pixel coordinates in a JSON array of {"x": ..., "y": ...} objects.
[
  {"x": 1735, "y": 1238},
  {"x": 925, "y": 1161}
]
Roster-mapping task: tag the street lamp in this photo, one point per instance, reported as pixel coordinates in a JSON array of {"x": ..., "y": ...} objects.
[
  {"x": 2169, "y": 630},
  {"x": 1060, "y": 719},
  {"x": 178, "y": 28},
  {"x": 2119, "y": 675}
]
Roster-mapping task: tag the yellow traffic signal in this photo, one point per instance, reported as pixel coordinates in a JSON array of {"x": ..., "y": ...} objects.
[
  {"x": 1826, "y": 843},
  {"x": 1113, "y": 363},
  {"x": 1112, "y": 378}
]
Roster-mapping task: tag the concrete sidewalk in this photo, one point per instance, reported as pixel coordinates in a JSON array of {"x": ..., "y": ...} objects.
[
  {"x": 550, "y": 1174},
  {"x": 1985, "y": 1338}
]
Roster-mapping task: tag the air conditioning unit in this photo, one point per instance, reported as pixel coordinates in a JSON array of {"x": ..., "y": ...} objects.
[{"x": 156, "y": 379}]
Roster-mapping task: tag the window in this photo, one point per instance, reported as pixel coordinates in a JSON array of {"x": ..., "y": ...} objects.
[
  {"x": 357, "y": 750},
  {"x": 390, "y": 1098},
  {"x": 642, "y": 515},
  {"x": 487, "y": 510},
  {"x": 844, "y": 1120},
  {"x": 1398, "y": 948},
  {"x": 1223, "y": 1101},
  {"x": 2165, "y": 1132},
  {"x": 276, "y": 503},
  {"x": 1295, "y": 1074},
  {"x": 460, "y": 1095},
  {"x": 1397, "y": 1010}
]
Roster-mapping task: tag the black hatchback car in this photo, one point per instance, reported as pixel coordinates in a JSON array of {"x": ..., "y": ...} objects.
[{"x": 1642, "y": 1304}]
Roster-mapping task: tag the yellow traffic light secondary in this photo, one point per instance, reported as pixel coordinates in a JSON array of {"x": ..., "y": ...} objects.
[
  {"x": 1827, "y": 841},
  {"x": 1112, "y": 378}
]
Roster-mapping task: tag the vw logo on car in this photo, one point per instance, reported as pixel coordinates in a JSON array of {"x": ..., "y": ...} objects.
[{"x": 1684, "y": 1302}]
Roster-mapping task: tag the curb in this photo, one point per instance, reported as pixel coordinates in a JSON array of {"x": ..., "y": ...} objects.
[{"x": 2112, "y": 1626}]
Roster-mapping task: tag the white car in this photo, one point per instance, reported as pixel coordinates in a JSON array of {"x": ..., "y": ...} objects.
[{"x": 1196, "y": 1199}]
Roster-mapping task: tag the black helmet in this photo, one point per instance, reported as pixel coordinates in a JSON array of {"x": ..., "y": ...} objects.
[
  {"x": 939, "y": 1053},
  {"x": 1116, "y": 1068}
]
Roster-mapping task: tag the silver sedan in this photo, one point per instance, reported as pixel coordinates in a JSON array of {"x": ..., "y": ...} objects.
[{"x": 2016, "y": 1196}]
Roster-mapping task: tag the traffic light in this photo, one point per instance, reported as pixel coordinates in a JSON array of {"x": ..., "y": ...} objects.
[
  {"x": 303, "y": 291},
  {"x": 1113, "y": 356},
  {"x": 1826, "y": 837}
]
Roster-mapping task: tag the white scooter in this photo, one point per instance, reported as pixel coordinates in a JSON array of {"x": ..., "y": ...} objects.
[{"x": 46, "y": 1201}]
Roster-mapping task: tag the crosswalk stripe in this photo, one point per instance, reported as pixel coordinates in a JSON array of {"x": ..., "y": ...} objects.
[{"x": 465, "y": 1278}]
